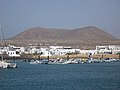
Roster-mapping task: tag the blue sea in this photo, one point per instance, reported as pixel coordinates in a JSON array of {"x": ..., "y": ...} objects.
[{"x": 94, "y": 76}]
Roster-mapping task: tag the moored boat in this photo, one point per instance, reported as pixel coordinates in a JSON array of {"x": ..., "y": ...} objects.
[
  {"x": 4, "y": 64},
  {"x": 35, "y": 62}
]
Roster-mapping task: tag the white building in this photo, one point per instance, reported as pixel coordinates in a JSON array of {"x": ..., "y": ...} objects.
[
  {"x": 111, "y": 49},
  {"x": 52, "y": 50},
  {"x": 88, "y": 52},
  {"x": 11, "y": 51},
  {"x": 62, "y": 50}
]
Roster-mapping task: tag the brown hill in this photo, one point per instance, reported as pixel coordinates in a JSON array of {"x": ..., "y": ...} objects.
[
  {"x": 37, "y": 33},
  {"x": 89, "y": 33},
  {"x": 86, "y": 33}
]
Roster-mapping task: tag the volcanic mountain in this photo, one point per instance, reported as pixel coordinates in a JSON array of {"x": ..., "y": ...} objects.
[{"x": 86, "y": 33}]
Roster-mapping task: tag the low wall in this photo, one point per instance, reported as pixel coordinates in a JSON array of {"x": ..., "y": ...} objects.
[{"x": 117, "y": 56}]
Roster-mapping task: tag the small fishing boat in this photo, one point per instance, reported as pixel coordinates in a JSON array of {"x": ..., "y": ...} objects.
[
  {"x": 4, "y": 64},
  {"x": 57, "y": 61},
  {"x": 35, "y": 62}
]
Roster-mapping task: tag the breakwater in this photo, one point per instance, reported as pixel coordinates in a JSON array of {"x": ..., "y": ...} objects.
[{"x": 97, "y": 56}]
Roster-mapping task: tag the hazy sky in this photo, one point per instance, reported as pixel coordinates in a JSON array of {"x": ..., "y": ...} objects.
[{"x": 19, "y": 15}]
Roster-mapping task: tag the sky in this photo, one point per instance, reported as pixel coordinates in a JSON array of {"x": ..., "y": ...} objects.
[{"x": 19, "y": 15}]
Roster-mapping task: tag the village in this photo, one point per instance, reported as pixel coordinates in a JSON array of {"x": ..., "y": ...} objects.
[{"x": 36, "y": 49}]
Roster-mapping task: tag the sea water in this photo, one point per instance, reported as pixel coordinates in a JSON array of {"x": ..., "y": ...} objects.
[{"x": 94, "y": 76}]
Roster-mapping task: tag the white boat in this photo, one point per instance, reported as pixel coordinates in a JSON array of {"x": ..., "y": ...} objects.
[
  {"x": 35, "y": 62},
  {"x": 71, "y": 61},
  {"x": 39, "y": 62},
  {"x": 3, "y": 63},
  {"x": 108, "y": 60},
  {"x": 57, "y": 61},
  {"x": 92, "y": 60}
]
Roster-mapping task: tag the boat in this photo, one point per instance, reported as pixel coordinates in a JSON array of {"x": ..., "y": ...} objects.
[
  {"x": 3, "y": 63},
  {"x": 39, "y": 62},
  {"x": 71, "y": 61},
  {"x": 35, "y": 62},
  {"x": 56, "y": 61},
  {"x": 109, "y": 60},
  {"x": 92, "y": 60}
]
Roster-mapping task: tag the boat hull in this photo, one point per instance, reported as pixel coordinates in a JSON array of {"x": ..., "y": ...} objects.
[{"x": 4, "y": 64}]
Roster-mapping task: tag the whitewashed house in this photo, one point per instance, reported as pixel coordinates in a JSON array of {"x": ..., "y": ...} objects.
[
  {"x": 13, "y": 51},
  {"x": 10, "y": 51},
  {"x": 62, "y": 50},
  {"x": 45, "y": 52},
  {"x": 87, "y": 52},
  {"x": 111, "y": 49}
]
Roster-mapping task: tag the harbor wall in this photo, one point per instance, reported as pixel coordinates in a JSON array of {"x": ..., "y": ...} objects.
[{"x": 97, "y": 56}]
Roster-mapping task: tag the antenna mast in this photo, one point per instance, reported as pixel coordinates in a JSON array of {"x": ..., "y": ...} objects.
[
  {"x": 2, "y": 37},
  {"x": 1, "y": 41}
]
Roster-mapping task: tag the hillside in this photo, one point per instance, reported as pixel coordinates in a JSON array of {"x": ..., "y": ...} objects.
[
  {"x": 37, "y": 33},
  {"x": 86, "y": 33},
  {"x": 89, "y": 33}
]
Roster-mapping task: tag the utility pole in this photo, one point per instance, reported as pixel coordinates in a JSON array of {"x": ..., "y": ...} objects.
[
  {"x": 48, "y": 54},
  {"x": 67, "y": 56},
  {"x": 119, "y": 56},
  {"x": 39, "y": 57}
]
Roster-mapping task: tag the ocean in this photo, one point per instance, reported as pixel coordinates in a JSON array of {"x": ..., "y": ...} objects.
[{"x": 94, "y": 76}]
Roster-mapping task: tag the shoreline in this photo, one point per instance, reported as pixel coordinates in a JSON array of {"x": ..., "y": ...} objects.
[{"x": 84, "y": 56}]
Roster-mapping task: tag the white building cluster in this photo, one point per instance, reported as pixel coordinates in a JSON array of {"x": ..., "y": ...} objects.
[
  {"x": 51, "y": 50},
  {"x": 108, "y": 49},
  {"x": 14, "y": 51}
]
